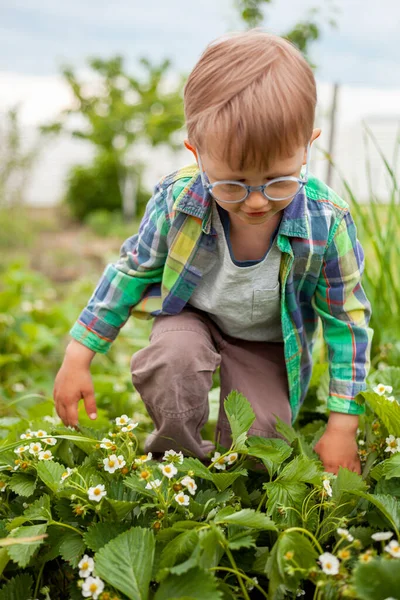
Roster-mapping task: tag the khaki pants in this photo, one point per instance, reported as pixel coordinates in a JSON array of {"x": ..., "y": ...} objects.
[{"x": 173, "y": 375}]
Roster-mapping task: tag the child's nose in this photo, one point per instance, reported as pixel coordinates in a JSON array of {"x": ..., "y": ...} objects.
[{"x": 256, "y": 201}]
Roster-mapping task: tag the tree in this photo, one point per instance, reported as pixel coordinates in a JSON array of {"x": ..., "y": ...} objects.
[
  {"x": 302, "y": 34},
  {"x": 117, "y": 111}
]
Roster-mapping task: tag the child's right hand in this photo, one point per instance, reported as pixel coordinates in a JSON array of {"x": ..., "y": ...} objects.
[{"x": 73, "y": 382}]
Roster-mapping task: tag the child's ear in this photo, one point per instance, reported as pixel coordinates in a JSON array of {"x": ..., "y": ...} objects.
[{"x": 191, "y": 148}]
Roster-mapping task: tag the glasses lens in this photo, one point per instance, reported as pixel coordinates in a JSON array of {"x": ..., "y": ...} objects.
[
  {"x": 282, "y": 189},
  {"x": 229, "y": 192}
]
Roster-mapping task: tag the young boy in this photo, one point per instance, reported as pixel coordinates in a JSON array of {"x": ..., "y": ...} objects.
[{"x": 236, "y": 258}]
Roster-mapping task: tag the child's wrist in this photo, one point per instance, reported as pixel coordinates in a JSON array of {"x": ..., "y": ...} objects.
[{"x": 342, "y": 423}]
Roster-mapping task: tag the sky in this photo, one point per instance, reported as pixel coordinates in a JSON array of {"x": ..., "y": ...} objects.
[{"x": 38, "y": 36}]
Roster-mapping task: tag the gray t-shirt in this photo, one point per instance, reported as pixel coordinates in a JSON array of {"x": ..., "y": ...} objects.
[{"x": 244, "y": 301}]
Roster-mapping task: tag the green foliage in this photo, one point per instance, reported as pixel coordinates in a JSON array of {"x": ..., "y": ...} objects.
[
  {"x": 118, "y": 112},
  {"x": 377, "y": 580}
]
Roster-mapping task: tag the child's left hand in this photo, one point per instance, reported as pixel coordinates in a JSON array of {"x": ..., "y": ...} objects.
[{"x": 338, "y": 449}]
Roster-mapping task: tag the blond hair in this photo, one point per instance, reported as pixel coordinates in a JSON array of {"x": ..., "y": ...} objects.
[{"x": 250, "y": 100}]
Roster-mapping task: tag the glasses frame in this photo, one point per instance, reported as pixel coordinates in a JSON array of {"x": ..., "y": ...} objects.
[{"x": 255, "y": 188}]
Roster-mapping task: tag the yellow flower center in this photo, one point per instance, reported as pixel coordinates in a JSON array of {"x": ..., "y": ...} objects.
[
  {"x": 93, "y": 587},
  {"x": 143, "y": 457},
  {"x": 144, "y": 474},
  {"x": 2, "y": 484},
  {"x": 289, "y": 555},
  {"x": 111, "y": 463},
  {"x": 85, "y": 566},
  {"x": 97, "y": 492},
  {"x": 168, "y": 469},
  {"x": 328, "y": 565},
  {"x": 220, "y": 461}
]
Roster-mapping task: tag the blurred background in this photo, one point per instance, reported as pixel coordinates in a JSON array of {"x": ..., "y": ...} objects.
[{"x": 91, "y": 116}]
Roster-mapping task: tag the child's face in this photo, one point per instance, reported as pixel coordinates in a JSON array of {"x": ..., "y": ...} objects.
[{"x": 256, "y": 209}]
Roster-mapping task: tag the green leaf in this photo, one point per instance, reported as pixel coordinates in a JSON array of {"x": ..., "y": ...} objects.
[
  {"x": 305, "y": 556},
  {"x": 212, "y": 551},
  {"x": 22, "y": 484},
  {"x": 139, "y": 486},
  {"x": 389, "y": 507},
  {"x": 178, "y": 549},
  {"x": 377, "y": 580},
  {"x": 39, "y": 510},
  {"x": 301, "y": 469},
  {"x": 391, "y": 467},
  {"x": 285, "y": 494},
  {"x": 272, "y": 451},
  {"x": 247, "y": 518},
  {"x": 224, "y": 480},
  {"x": 18, "y": 588},
  {"x": 196, "y": 584},
  {"x": 99, "y": 534},
  {"x": 242, "y": 539},
  {"x": 120, "y": 508},
  {"x": 127, "y": 562},
  {"x": 195, "y": 465},
  {"x": 72, "y": 547},
  {"x": 50, "y": 473},
  {"x": 240, "y": 416},
  {"x": 388, "y": 412},
  {"x": 22, "y": 553}
]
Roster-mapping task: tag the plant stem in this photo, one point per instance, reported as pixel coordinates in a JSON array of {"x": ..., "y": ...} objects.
[
  {"x": 39, "y": 577},
  {"x": 256, "y": 585},
  {"x": 65, "y": 525},
  {"x": 307, "y": 533},
  {"x": 240, "y": 576}
]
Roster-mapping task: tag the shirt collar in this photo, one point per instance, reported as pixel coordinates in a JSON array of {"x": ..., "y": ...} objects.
[{"x": 194, "y": 201}]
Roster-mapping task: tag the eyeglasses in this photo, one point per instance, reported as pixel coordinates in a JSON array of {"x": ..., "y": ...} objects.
[{"x": 280, "y": 188}]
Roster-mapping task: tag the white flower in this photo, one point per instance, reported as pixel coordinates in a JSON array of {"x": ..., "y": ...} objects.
[
  {"x": 35, "y": 448},
  {"x": 66, "y": 474},
  {"x": 18, "y": 387},
  {"x": 327, "y": 486},
  {"x": 50, "y": 441},
  {"x": 393, "y": 444},
  {"x": 86, "y": 566},
  {"x": 381, "y": 389},
  {"x": 129, "y": 427},
  {"x": 361, "y": 442},
  {"x": 173, "y": 456},
  {"x": 41, "y": 433},
  {"x": 3, "y": 485},
  {"x": 45, "y": 455},
  {"x": 112, "y": 463},
  {"x": 118, "y": 387},
  {"x": 230, "y": 459},
  {"x": 344, "y": 533},
  {"x": 144, "y": 458},
  {"x": 27, "y": 306},
  {"x": 250, "y": 586},
  {"x": 92, "y": 587},
  {"x": 390, "y": 398},
  {"x": 190, "y": 484},
  {"x": 382, "y": 536},
  {"x": 21, "y": 449},
  {"x": 182, "y": 499},
  {"x": 122, "y": 421},
  {"x": 153, "y": 485},
  {"x": 329, "y": 563},
  {"x": 300, "y": 593},
  {"x": 97, "y": 492},
  {"x": 168, "y": 470},
  {"x": 219, "y": 463},
  {"x": 121, "y": 461},
  {"x": 393, "y": 548},
  {"x": 26, "y": 436},
  {"x": 106, "y": 443}
]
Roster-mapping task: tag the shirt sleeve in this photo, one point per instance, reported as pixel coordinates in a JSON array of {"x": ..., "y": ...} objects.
[
  {"x": 345, "y": 311},
  {"x": 122, "y": 285}
]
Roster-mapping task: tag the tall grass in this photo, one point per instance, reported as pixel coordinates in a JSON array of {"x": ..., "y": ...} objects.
[{"x": 378, "y": 225}]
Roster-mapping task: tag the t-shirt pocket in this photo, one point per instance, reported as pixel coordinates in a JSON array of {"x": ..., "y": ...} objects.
[{"x": 266, "y": 305}]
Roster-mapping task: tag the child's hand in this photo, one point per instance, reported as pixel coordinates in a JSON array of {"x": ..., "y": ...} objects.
[
  {"x": 338, "y": 449},
  {"x": 74, "y": 382}
]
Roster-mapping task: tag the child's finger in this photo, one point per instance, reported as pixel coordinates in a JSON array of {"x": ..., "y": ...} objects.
[
  {"x": 90, "y": 403},
  {"x": 71, "y": 411}
]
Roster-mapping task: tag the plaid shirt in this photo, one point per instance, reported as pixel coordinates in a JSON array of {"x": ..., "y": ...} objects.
[{"x": 320, "y": 275}]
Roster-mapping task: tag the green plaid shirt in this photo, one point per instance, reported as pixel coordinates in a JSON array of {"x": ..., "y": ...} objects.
[{"x": 320, "y": 275}]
